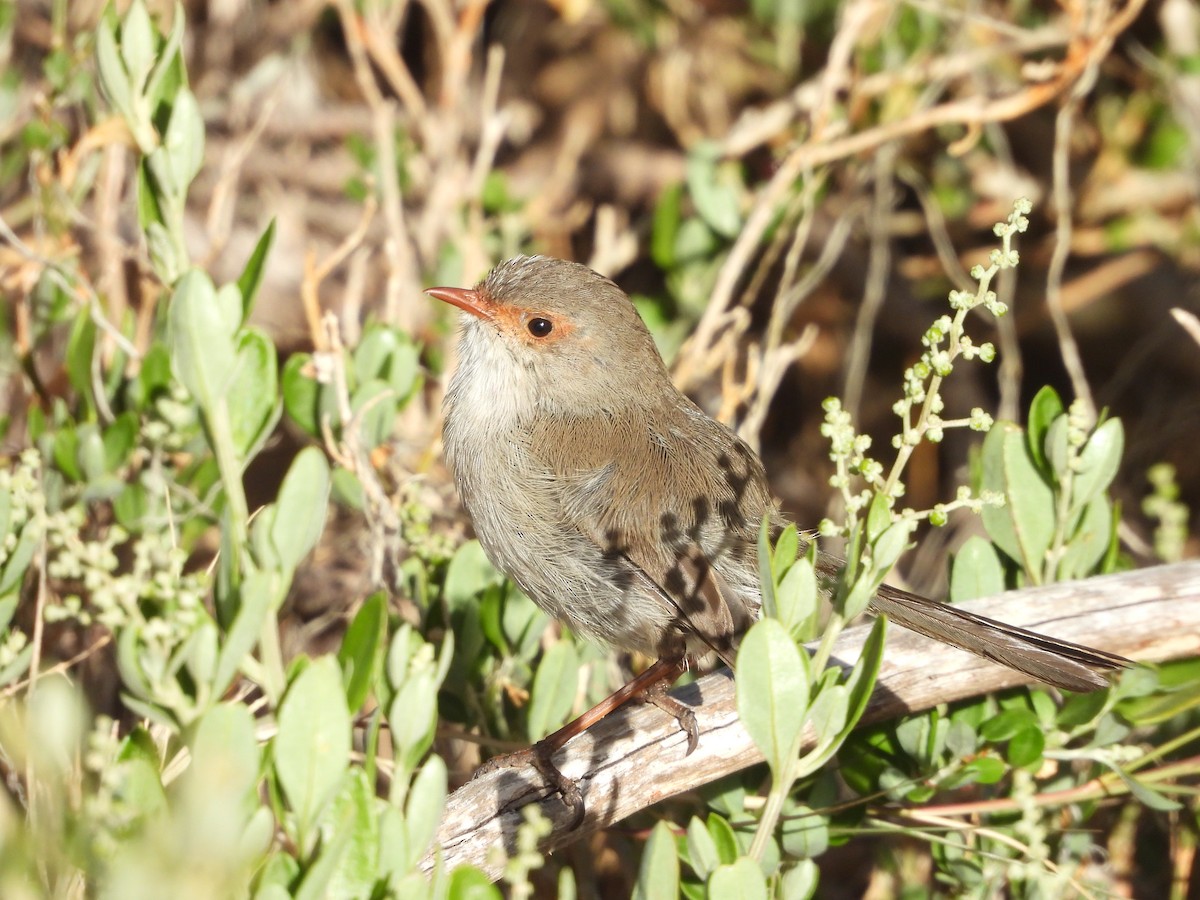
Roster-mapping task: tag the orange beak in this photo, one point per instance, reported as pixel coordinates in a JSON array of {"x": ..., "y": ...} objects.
[{"x": 466, "y": 299}]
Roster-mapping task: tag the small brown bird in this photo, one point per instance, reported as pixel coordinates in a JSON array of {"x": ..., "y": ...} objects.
[{"x": 619, "y": 506}]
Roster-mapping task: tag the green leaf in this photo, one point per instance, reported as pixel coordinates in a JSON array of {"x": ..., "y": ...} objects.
[
  {"x": 916, "y": 736},
  {"x": 361, "y": 653},
  {"x": 1026, "y": 747},
  {"x": 859, "y": 596},
  {"x": 1089, "y": 541},
  {"x": 202, "y": 350},
  {"x": 423, "y": 811},
  {"x": 252, "y": 394},
  {"x": 1097, "y": 464},
  {"x": 166, "y": 261},
  {"x": 301, "y": 393},
  {"x": 140, "y": 786},
  {"x": 114, "y": 81},
  {"x": 353, "y": 811},
  {"x": 168, "y": 195},
  {"x": 137, "y": 44},
  {"x": 469, "y": 573},
  {"x": 766, "y": 575},
  {"x": 183, "y": 141},
  {"x": 154, "y": 378},
  {"x": 468, "y": 883},
  {"x": 1058, "y": 449},
  {"x": 828, "y": 711},
  {"x": 741, "y": 880},
  {"x": 1007, "y": 724},
  {"x": 119, "y": 440},
  {"x": 786, "y": 549},
  {"x": 393, "y": 844},
  {"x": 797, "y": 598},
  {"x": 406, "y": 644},
  {"x": 714, "y": 189},
  {"x": 1045, "y": 408},
  {"x": 19, "y": 558},
  {"x": 695, "y": 244},
  {"x": 1144, "y": 794},
  {"x": 65, "y": 452},
  {"x": 413, "y": 717},
  {"x": 278, "y": 875},
  {"x": 90, "y": 453},
  {"x": 319, "y": 875},
  {"x": 658, "y": 875},
  {"x": 375, "y": 404},
  {"x": 168, "y": 70},
  {"x": 301, "y": 508},
  {"x": 1024, "y": 527},
  {"x": 555, "y": 684},
  {"x": 879, "y": 517},
  {"x": 976, "y": 571},
  {"x": 229, "y": 308},
  {"x": 225, "y": 762},
  {"x": 668, "y": 213},
  {"x": 404, "y": 371},
  {"x": 17, "y": 666},
  {"x": 772, "y": 690},
  {"x": 347, "y": 490},
  {"x": 723, "y": 837},
  {"x": 799, "y": 882},
  {"x": 252, "y": 273},
  {"x": 803, "y": 833},
  {"x": 987, "y": 769},
  {"x": 702, "y": 850},
  {"x": 311, "y": 749},
  {"x": 858, "y": 688},
  {"x": 960, "y": 739},
  {"x": 886, "y": 548},
  {"x": 373, "y": 354},
  {"x": 129, "y": 662},
  {"x": 81, "y": 346},
  {"x": 201, "y": 659}
]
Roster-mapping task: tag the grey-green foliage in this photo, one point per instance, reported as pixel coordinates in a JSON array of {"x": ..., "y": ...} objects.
[
  {"x": 239, "y": 779},
  {"x": 1056, "y": 521}
]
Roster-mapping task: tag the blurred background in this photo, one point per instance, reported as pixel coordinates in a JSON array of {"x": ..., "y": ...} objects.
[{"x": 787, "y": 189}]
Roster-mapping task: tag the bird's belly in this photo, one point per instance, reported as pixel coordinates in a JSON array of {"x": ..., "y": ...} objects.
[{"x": 601, "y": 597}]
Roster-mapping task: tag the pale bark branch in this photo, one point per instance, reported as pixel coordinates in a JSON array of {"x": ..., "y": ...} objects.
[{"x": 635, "y": 757}]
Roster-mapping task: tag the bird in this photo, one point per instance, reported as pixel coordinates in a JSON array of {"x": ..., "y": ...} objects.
[{"x": 624, "y": 510}]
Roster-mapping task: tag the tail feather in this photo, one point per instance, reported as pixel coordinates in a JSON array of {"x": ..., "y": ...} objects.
[{"x": 1060, "y": 663}]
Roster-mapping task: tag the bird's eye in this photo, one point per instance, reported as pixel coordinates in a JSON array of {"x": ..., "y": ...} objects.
[{"x": 540, "y": 327}]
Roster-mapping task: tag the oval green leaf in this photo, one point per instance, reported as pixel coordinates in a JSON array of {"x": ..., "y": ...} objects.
[
  {"x": 311, "y": 749},
  {"x": 772, "y": 685},
  {"x": 555, "y": 684}
]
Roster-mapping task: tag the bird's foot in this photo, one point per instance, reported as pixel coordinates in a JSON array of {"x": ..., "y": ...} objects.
[
  {"x": 540, "y": 757},
  {"x": 683, "y": 714}
]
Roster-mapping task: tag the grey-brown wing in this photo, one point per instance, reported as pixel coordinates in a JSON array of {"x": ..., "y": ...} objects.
[{"x": 680, "y": 503}]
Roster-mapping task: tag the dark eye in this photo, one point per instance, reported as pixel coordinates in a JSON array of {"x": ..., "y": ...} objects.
[{"x": 540, "y": 327}]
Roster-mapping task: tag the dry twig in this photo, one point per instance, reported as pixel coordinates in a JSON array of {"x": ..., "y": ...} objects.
[{"x": 635, "y": 757}]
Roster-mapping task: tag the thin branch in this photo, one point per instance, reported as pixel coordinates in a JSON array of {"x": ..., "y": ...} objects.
[
  {"x": 879, "y": 267},
  {"x": 1064, "y": 126},
  {"x": 636, "y": 757},
  {"x": 1084, "y": 51}
]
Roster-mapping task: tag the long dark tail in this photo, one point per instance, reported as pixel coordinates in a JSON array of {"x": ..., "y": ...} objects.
[{"x": 1059, "y": 663}]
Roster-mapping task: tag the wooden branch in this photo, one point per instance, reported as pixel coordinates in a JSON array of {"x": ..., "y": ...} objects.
[{"x": 635, "y": 757}]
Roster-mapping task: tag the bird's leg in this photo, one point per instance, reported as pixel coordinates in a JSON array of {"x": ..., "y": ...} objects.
[
  {"x": 683, "y": 714},
  {"x": 651, "y": 684}
]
